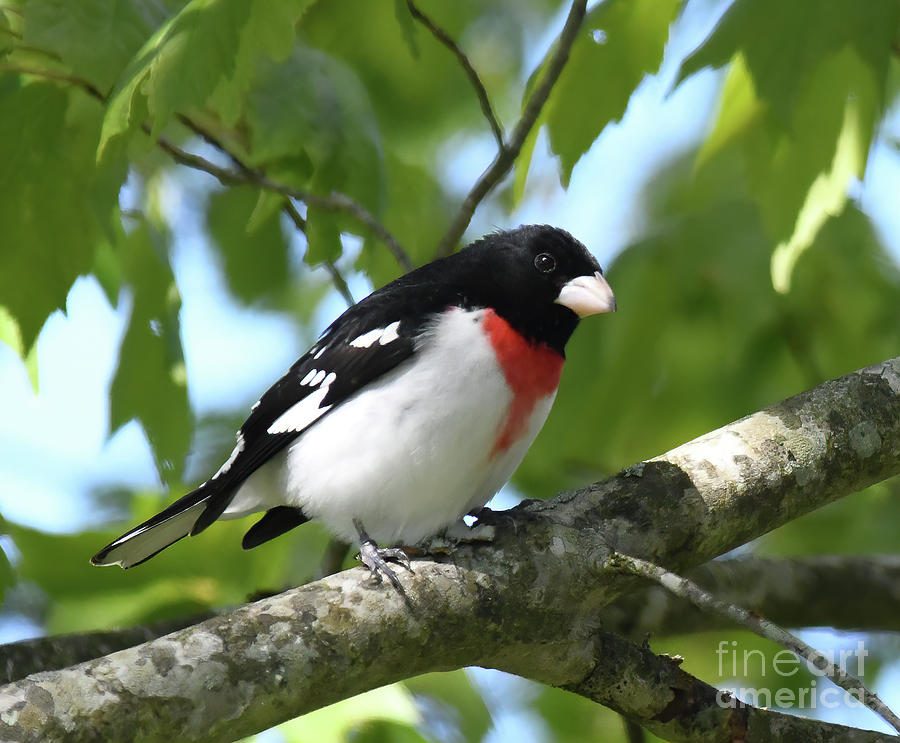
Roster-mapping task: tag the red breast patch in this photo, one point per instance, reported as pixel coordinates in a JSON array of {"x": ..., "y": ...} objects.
[{"x": 532, "y": 372}]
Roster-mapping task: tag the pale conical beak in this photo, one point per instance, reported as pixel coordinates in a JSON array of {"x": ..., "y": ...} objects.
[{"x": 587, "y": 295}]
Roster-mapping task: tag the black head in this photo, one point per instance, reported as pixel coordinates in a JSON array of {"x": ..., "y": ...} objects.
[{"x": 539, "y": 278}]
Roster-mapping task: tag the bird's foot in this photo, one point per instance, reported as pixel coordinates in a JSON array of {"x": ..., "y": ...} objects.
[{"x": 376, "y": 558}]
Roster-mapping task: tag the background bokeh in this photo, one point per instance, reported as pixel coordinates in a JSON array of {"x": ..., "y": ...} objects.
[{"x": 734, "y": 164}]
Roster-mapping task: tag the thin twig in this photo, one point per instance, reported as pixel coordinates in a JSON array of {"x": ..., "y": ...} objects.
[
  {"x": 706, "y": 601},
  {"x": 483, "y": 99},
  {"x": 79, "y": 82},
  {"x": 213, "y": 140},
  {"x": 335, "y": 201},
  {"x": 506, "y": 157},
  {"x": 337, "y": 278}
]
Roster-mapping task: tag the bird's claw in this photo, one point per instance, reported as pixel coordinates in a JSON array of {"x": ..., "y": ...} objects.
[{"x": 376, "y": 559}]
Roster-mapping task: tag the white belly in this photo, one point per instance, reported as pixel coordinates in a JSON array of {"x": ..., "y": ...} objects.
[{"x": 394, "y": 456}]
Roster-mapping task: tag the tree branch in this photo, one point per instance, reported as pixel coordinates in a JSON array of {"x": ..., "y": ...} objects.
[
  {"x": 655, "y": 692},
  {"x": 483, "y": 99},
  {"x": 793, "y": 592},
  {"x": 23, "y": 658},
  {"x": 765, "y": 628},
  {"x": 527, "y": 603},
  {"x": 334, "y": 202},
  {"x": 506, "y": 156}
]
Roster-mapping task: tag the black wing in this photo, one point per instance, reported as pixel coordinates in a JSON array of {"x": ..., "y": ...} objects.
[{"x": 347, "y": 356}]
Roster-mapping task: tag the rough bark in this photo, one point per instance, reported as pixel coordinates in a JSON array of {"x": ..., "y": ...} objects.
[
  {"x": 793, "y": 592},
  {"x": 675, "y": 706},
  {"x": 527, "y": 603}
]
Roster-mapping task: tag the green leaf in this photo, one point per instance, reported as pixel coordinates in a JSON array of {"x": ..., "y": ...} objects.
[
  {"x": 803, "y": 128},
  {"x": 209, "y": 43},
  {"x": 95, "y": 38},
  {"x": 12, "y": 337},
  {"x": 311, "y": 125},
  {"x": 386, "y": 731},
  {"x": 49, "y": 188},
  {"x": 417, "y": 215},
  {"x": 195, "y": 575},
  {"x": 256, "y": 265},
  {"x": 268, "y": 204},
  {"x": 323, "y": 236},
  {"x": 149, "y": 383},
  {"x": 269, "y": 29},
  {"x": 828, "y": 193},
  {"x": 523, "y": 164},
  {"x": 333, "y": 724},
  {"x": 407, "y": 26},
  {"x": 9, "y": 331},
  {"x": 625, "y": 43},
  {"x": 312, "y": 105},
  {"x": 843, "y": 298},
  {"x": 799, "y": 174},
  {"x": 418, "y": 110},
  {"x": 784, "y": 43}
]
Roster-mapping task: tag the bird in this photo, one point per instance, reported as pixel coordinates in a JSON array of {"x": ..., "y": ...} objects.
[{"x": 410, "y": 411}]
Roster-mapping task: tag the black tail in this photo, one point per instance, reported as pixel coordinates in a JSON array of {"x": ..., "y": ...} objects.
[
  {"x": 276, "y": 522},
  {"x": 178, "y": 520}
]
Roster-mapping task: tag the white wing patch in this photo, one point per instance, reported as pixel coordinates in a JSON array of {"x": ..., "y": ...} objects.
[
  {"x": 302, "y": 414},
  {"x": 367, "y": 339},
  {"x": 390, "y": 333},
  {"x": 382, "y": 336}
]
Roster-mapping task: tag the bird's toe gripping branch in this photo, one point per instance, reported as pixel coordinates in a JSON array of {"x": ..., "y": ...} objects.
[{"x": 376, "y": 558}]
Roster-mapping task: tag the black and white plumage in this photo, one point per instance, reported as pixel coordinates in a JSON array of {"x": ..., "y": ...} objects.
[{"x": 412, "y": 409}]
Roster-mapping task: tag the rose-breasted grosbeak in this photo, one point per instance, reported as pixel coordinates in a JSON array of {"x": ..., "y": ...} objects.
[{"x": 412, "y": 409}]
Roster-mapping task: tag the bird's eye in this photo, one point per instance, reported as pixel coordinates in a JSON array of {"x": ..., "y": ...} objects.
[{"x": 544, "y": 262}]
